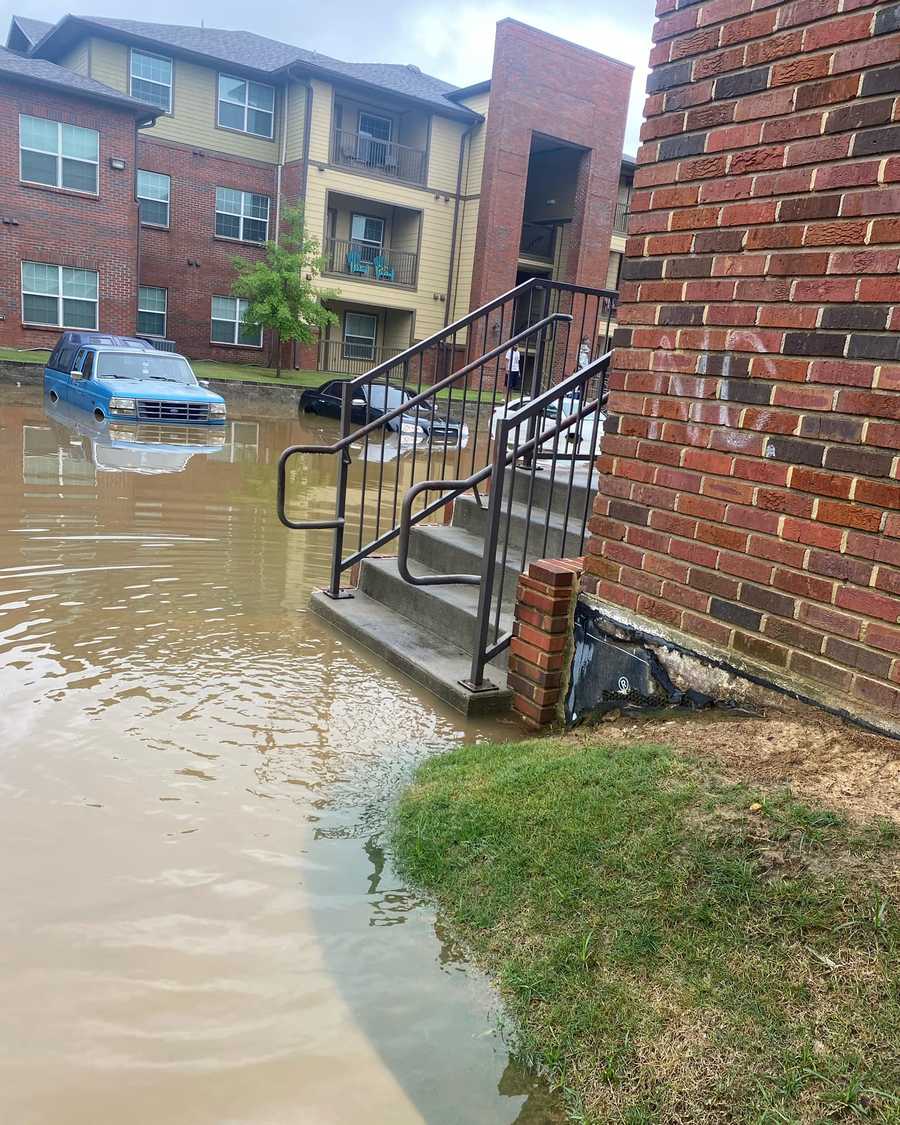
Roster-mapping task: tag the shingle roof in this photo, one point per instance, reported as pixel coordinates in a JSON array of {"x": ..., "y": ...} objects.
[
  {"x": 33, "y": 30},
  {"x": 45, "y": 73},
  {"x": 269, "y": 56}
]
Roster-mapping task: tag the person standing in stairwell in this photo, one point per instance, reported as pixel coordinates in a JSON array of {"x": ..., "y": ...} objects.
[{"x": 513, "y": 361}]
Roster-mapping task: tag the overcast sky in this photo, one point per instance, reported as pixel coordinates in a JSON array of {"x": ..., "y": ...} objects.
[{"x": 453, "y": 40}]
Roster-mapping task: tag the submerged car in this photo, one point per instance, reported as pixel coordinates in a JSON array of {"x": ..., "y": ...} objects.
[
  {"x": 374, "y": 401},
  {"x": 123, "y": 377},
  {"x": 576, "y": 438},
  {"x": 127, "y": 447}
]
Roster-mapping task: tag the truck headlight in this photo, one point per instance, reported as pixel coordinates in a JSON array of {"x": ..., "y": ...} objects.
[
  {"x": 118, "y": 405},
  {"x": 217, "y": 410}
]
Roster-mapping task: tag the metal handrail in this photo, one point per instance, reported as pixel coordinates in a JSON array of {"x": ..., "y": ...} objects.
[
  {"x": 347, "y": 439},
  {"x": 483, "y": 652}
]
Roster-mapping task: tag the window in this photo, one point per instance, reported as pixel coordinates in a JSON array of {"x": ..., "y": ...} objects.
[
  {"x": 59, "y": 296},
  {"x": 58, "y": 155},
  {"x": 151, "y": 79},
  {"x": 374, "y": 139},
  {"x": 153, "y": 190},
  {"x": 227, "y": 327},
  {"x": 366, "y": 236},
  {"x": 246, "y": 106},
  {"x": 152, "y": 302},
  {"x": 242, "y": 215},
  {"x": 360, "y": 330}
]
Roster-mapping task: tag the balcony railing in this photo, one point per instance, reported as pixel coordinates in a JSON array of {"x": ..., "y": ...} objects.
[
  {"x": 345, "y": 357},
  {"x": 620, "y": 219},
  {"x": 381, "y": 158},
  {"x": 538, "y": 241},
  {"x": 365, "y": 261}
]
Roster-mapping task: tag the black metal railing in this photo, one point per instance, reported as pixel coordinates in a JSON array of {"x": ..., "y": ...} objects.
[
  {"x": 454, "y": 384},
  {"x": 368, "y": 262},
  {"x": 552, "y": 431},
  {"x": 343, "y": 357},
  {"x": 538, "y": 240},
  {"x": 377, "y": 157},
  {"x": 620, "y": 218}
]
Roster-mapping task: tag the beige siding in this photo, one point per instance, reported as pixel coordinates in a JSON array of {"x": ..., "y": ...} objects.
[
  {"x": 397, "y": 331},
  {"x": 465, "y": 258},
  {"x": 78, "y": 59},
  {"x": 443, "y": 158},
  {"x": 320, "y": 126},
  {"x": 475, "y": 154},
  {"x": 194, "y": 104},
  {"x": 405, "y": 231},
  {"x": 295, "y": 120},
  {"x": 612, "y": 272}
]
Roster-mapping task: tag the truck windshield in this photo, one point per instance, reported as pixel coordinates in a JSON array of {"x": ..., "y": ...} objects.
[{"x": 144, "y": 365}]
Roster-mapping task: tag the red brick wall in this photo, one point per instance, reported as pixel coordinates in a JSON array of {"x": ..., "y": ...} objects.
[
  {"x": 545, "y": 85},
  {"x": 65, "y": 228},
  {"x": 539, "y": 651},
  {"x": 750, "y": 495},
  {"x": 165, "y": 255}
]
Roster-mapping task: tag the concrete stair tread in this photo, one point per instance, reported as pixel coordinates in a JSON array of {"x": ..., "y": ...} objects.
[
  {"x": 518, "y": 512},
  {"x": 459, "y": 596},
  {"x": 422, "y": 655}
]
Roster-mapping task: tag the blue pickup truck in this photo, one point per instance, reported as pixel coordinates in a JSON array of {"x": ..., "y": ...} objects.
[{"x": 123, "y": 377}]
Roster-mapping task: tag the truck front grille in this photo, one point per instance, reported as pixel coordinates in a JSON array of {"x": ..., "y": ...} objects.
[{"x": 152, "y": 410}]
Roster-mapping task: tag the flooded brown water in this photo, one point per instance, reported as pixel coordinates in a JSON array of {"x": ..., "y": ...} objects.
[{"x": 200, "y": 925}]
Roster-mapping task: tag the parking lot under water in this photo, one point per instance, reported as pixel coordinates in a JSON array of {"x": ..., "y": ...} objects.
[{"x": 200, "y": 923}]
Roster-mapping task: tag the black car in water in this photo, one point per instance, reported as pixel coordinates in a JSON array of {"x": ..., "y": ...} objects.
[{"x": 373, "y": 401}]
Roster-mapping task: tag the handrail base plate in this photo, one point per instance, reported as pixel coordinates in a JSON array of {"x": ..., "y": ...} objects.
[
  {"x": 477, "y": 689},
  {"x": 343, "y": 594}
]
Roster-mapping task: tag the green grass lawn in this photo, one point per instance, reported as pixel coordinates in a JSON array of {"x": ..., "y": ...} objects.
[
  {"x": 244, "y": 373},
  {"x": 670, "y": 947}
]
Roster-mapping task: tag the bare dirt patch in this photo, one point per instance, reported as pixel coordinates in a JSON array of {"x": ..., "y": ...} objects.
[{"x": 813, "y": 754}]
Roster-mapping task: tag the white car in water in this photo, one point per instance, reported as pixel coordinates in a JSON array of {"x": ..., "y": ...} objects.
[{"x": 575, "y": 438}]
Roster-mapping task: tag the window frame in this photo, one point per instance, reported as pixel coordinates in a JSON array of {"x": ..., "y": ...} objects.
[
  {"x": 368, "y": 241},
  {"x": 245, "y": 131},
  {"x": 59, "y": 297},
  {"x": 138, "y": 197},
  {"x": 235, "y": 342},
  {"x": 60, "y": 157},
  {"x": 154, "y": 312},
  {"x": 132, "y": 51},
  {"x": 242, "y": 216},
  {"x": 373, "y": 339}
]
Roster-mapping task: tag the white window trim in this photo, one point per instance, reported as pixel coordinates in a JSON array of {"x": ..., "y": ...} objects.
[
  {"x": 148, "y": 199},
  {"x": 151, "y": 55},
  {"x": 59, "y": 298},
  {"x": 59, "y": 157},
  {"x": 245, "y": 105},
  {"x": 234, "y": 343},
  {"x": 156, "y": 312},
  {"x": 242, "y": 216}
]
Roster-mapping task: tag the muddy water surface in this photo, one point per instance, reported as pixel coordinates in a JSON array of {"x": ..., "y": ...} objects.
[{"x": 200, "y": 924}]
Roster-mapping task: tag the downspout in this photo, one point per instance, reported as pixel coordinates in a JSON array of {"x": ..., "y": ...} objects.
[
  {"x": 281, "y": 158},
  {"x": 467, "y": 133}
]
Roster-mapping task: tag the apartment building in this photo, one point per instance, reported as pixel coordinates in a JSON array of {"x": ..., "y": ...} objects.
[{"x": 427, "y": 199}]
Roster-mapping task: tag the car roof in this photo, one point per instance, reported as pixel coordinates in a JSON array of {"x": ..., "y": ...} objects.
[{"x": 103, "y": 339}]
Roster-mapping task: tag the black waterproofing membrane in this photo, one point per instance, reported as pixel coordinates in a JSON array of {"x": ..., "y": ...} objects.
[{"x": 617, "y": 671}]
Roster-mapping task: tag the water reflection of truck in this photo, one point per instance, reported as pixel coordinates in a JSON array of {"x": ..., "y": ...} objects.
[{"x": 127, "y": 447}]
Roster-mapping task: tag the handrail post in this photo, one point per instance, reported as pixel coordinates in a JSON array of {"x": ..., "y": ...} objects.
[
  {"x": 476, "y": 680},
  {"x": 337, "y": 547},
  {"x": 536, "y": 374}
]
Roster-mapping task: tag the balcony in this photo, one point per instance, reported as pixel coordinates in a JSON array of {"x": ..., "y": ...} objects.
[
  {"x": 365, "y": 262},
  {"x": 363, "y": 153},
  {"x": 620, "y": 219},
  {"x": 344, "y": 357},
  {"x": 538, "y": 241}
]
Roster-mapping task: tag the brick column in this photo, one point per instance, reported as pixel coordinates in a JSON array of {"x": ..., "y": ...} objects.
[
  {"x": 540, "y": 650},
  {"x": 750, "y": 497}
]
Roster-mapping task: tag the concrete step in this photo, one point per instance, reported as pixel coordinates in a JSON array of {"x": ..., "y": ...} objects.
[
  {"x": 453, "y": 550},
  {"x": 449, "y": 611},
  {"x": 469, "y": 516},
  {"x": 419, "y": 653},
  {"x": 552, "y": 491}
]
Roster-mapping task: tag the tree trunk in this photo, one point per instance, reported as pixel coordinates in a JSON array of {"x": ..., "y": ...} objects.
[{"x": 277, "y": 355}]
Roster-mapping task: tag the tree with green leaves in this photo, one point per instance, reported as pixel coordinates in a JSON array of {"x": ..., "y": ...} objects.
[{"x": 279, "y": 291}]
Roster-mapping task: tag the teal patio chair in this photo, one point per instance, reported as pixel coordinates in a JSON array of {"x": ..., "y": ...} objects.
[
  {"x": 355, "y": 263},
  {"x": 384, "y": 271}
]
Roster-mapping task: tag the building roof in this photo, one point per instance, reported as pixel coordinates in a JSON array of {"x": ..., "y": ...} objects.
[
  {"x": 248, "y": 51},
  {"x": 32, "y": 30},
  {"x": 41, "y": 72}
]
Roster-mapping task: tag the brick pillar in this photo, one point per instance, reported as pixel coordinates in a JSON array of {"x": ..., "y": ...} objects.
[
  {"x": 540, "y": 650},
  {"x": 750, "y": 497}
]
